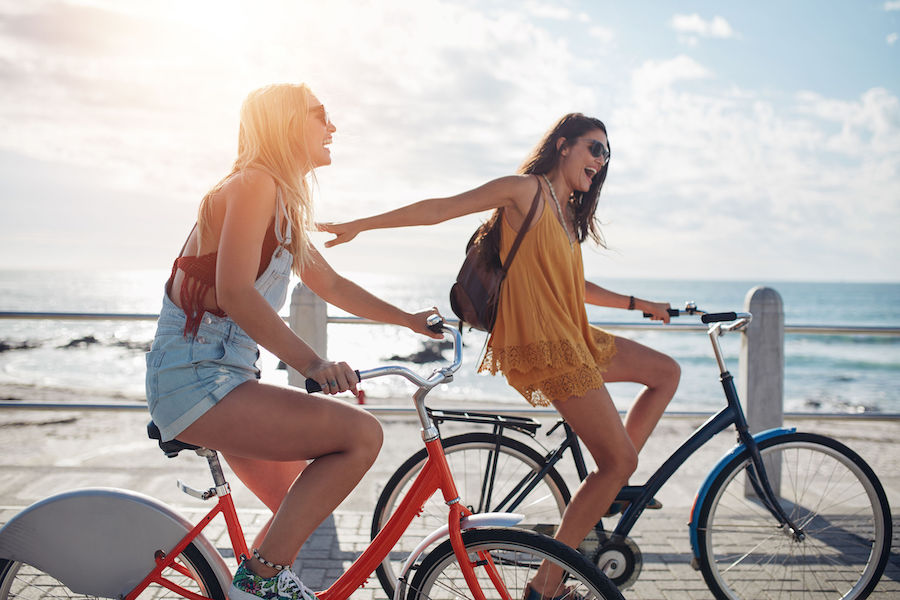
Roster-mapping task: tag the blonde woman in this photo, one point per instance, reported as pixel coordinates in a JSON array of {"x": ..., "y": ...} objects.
[
  {"x": 221, "y": 300},
  {"x": 542, "y": 341}
]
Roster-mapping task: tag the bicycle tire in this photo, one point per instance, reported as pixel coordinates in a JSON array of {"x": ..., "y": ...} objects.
[
  {"x": 19, "y": 581},
  {"x": 830, "y": 492},
  {"x": 517, "y": 554},
  {"x": 467, "y": 455}
]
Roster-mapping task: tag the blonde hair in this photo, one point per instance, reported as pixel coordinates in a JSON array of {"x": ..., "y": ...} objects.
[{"x": 272, "y": 139}]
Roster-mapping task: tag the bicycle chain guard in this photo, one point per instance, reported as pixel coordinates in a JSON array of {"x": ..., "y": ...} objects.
[{"x": 617, "y": 556}]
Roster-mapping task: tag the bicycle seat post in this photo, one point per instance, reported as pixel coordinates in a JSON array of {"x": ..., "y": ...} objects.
[
  {"x": 221, "y": 487},
  {"x": 215, "y": 467}
]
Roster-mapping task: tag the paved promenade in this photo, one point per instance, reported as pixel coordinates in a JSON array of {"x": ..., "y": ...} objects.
[{"x": 44, "y": 452}]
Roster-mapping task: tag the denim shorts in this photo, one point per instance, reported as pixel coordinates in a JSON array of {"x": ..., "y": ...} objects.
[{"x": 188, "y": 375}]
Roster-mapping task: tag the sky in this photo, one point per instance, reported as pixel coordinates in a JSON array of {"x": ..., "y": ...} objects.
[{"x": 750, "y": 141}]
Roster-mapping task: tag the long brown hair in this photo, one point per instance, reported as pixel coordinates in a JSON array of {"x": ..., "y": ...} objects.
[
  {"x": 543, "y": 159},
  {"x": 273, "y": 119}
]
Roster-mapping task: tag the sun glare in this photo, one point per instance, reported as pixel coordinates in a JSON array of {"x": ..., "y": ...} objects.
[{"x": 226, "y": 17}]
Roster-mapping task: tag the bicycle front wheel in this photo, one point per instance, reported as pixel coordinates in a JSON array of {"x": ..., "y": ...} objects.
[
  {"x": 19, "y": 581},
  {"x": 488, "y": 478},
  {"x": 828, "y": 491},
  {"x": 506, "y": 561}
]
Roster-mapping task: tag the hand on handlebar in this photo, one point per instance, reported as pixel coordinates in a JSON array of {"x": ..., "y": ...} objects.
[
  {"x": 657, "y": 311},
  {"x": 419, "y": 322},
  {"x": 332, "y": 377}
]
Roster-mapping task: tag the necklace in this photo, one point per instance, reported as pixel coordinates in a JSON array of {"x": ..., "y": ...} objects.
[{"x": 562, "y": 220}]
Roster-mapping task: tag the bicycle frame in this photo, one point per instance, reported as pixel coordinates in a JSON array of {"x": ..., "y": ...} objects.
[
  {"x": 434, "y": 476},
  {"x": 639, "y": 496},
  {"x": 732, "y": 414}
]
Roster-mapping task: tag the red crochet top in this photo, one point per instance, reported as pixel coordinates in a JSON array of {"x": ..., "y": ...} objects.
[{"x": 200, "y": 278}]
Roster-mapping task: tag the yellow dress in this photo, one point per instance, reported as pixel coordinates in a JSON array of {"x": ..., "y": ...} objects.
[{"x": 542, "y": 341}]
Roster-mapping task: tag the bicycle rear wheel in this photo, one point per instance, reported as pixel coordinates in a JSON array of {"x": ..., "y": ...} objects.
[
  {"x": 486, "y": 481},
  {"x": 19, "y": 581},
  {"x": 829, "y": 492},
  {"x": 516, "y": 554}
]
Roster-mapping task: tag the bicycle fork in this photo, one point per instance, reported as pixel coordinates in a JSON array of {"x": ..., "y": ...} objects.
[
  {"x": 756, "y": 472},
  {"x": 759, "y": 480},
  {"x": 457, "y": 512}
]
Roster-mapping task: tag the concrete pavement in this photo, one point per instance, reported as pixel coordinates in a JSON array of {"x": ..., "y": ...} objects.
[{"x": 45, "y": 452}]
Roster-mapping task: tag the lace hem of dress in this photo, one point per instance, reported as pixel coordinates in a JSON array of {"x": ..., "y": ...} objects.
[
  {"x": 543, "y": 354},
  {"x": 562, "y": 387},
  {"x": 560, "y": 356}
]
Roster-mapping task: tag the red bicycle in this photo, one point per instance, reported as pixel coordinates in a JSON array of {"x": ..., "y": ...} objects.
[{"x": 114, "y": 543}]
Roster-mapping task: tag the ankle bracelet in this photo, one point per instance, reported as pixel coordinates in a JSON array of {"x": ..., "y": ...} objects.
[{"x": 271, "y": 565}]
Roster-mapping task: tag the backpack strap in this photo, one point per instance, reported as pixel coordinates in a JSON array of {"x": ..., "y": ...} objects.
[{"x": 524, "y": 228}]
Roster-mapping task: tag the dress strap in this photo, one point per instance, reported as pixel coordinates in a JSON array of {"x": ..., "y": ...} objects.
[
  {"x": 281, "y": 215},
  {"x": 523, "y": 229}
]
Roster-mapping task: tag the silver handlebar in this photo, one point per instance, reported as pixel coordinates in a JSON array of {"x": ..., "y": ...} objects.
[{"x": 439, "y": 376}]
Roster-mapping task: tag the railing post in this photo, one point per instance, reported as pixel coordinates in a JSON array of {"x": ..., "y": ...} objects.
[
  {"x": 761, "y": 380},
  {"x": 309, "y": 319}
]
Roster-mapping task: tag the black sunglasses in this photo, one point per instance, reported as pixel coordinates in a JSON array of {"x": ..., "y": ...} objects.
[
  {"x": 320, "y": 112},
  {"x": 597, "y": 150}
]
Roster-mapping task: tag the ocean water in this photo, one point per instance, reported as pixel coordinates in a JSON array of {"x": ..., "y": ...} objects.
[{"x": 823, "y": 373}]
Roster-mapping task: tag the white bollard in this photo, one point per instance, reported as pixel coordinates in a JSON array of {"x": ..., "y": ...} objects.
[
  {"x": 761, "y": 379},
  {"x": 309, "y": 319}
]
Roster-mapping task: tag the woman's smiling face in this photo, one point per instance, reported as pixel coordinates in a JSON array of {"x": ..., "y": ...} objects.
[
  {"x": 318, "y": 133},
  {"x": 579, "y": 161}
]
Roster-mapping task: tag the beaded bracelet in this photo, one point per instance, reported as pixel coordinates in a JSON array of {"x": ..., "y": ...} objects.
[
  {"x": 630, "y": 302},
  {"x": 271, "y": 565}
]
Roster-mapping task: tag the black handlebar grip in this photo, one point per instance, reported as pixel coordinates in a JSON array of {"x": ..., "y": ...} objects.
[
  {"x": 673, "y": 312},
  {"x": 435, "y": 324},
  {"x": 312, "y": 386},
  {"x": 718, "y": 317}
]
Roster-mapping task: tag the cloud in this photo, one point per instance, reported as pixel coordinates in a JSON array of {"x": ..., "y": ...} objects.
[
  {"x": 892, "y": 38},
  {"x": 606, "y": 35},
  {"x": 655, "y": 75},
  {"x": 141, "y": 92},
  {"x": 892, "y": 5},
  {"x": 546, "y": 10},
  {"x": 147, "y": 100},
  {"x": 695, "y": 25},
  {"x": 763, "y": 179}
]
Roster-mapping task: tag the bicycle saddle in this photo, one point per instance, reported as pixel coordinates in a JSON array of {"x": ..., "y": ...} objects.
[{"x": 170, "y": 448}]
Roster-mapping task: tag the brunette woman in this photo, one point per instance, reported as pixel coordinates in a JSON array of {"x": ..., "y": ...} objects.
[{"x": 542, "y": 341}]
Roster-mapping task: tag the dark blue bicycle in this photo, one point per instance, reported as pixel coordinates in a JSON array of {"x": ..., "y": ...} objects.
[{"x": 783, "y": 513}]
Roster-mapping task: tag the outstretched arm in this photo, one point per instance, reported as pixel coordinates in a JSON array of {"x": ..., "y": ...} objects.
[
  {"x": 346, "y": 295},
  {"x": 598, "y": 296},
  {"x": 511, "y": 191}
]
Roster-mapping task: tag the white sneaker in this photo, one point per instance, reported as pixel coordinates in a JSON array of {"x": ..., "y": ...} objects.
[{"x": 247, "y": 585}]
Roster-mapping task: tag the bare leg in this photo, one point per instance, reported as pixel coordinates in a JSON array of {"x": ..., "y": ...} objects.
[
  {"x": 655, "y": 370},
  {"x": 596, "y": 422},
  {"x": 268, "y": 480},
  {"x": 613, "y": 445},
  {"x": 267, "y": 423}
]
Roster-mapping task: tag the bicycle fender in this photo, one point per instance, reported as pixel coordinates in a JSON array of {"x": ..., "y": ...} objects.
[
  {"x": 100, "y": 541},
  {"x": 480, "y": 520},
  {"x": 704, "y": 489}
]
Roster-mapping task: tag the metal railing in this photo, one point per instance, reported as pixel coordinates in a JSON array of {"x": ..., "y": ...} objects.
[
  {"x": 340, "y": 320},
  {"x": 334, "y": 320}
]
